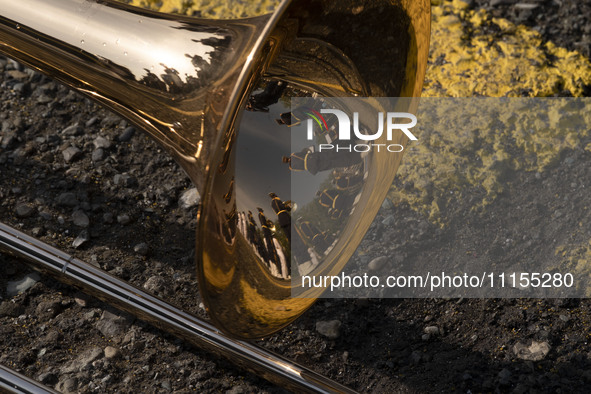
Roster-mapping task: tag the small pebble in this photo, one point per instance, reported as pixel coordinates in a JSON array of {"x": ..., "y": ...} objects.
[
  {"x": 123, "y": 219},
  {"x": 81, "y": 299},
  {"x": 67, "y": 200},
  {"x": 537, "y": 351},
  {"x": 19, "y": 286},
  {"x": 83, "y": 361},
  {"x": 141, "y": 248},
  {"x": 81, "y": 239},
  {"x": 68, "y": 385},
  {"x": 387, "y": 204},
  {"x": 124, "y": 180},
  {"x": 101, "y": 142},
  {"x": 98, "y": 155},
  {"x": 526, "y": 6},
  {"x": 345, "y": 356},
  {"x": 44, "y": 99},
  {"x": 112, "y": 352},
  {"x": 415, "y": 357},
  {"x": 108, "y": 218},
  {"x": 155, "y": 285},
  {"x": 564, "y": 318},
  {"x": 91, "y": 121},
  {"x": 11, "y": 309},
  {"x": 111, "y": 324},
  {"x": 377, "y": 263},
  {"x": 127, "y": 134},
  {"x": 71, "y": 154},
  {"x": 390, "y": 220},
  {"x": 166, "y": 385},
  {"x": 330, "y": 329},
  {"x": 24, "y": 210},
  {"x": 431, "y": 330},
  {"x": 80, "y": 219},
  {"x": 189, "y": 198},
  {"x": 18, "y": 75},
  {"x": 74, "y": 129}
]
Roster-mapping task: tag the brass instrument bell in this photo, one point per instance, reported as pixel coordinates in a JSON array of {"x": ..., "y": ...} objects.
[{"x": 187, "y": 82}]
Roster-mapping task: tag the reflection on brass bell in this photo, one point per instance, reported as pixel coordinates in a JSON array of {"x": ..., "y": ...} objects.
[{"x": 186, "y": 82}]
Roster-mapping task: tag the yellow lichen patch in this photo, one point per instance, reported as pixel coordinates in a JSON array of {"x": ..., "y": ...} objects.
[
  {"x": 576, "y": 260},
  {"x": 469, "y": 145},
  {"x": 473, "y": 54}
]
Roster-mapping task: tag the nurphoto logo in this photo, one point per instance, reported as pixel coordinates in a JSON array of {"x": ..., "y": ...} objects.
[{"x": 344, "y": 130}]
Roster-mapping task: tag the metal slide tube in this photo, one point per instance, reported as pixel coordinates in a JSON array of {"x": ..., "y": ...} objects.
[
  {"x": 144, "y": 306},
  {"x": 13, "y": 382}
]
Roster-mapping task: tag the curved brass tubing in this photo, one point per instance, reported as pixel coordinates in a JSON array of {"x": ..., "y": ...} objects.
[{"x": 185, "y": 81}]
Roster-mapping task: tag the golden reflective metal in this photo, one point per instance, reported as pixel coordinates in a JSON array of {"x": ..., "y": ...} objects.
[
  {"x": 338, "y": 49},
  {"x": 185, "y": 81}
]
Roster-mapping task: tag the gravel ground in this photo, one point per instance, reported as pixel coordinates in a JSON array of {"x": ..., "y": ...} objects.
[{"x": 81, "y": 178}]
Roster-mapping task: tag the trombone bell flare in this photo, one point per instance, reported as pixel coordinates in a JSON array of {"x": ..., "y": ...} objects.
[
  {"x": 249, "y": 211},
  {"x": 186, "y": 81}
]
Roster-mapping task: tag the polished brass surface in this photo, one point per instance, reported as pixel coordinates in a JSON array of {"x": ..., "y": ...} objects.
[
  {"x": 333, "y": 50},
  {"x": 185, "y": 81},
  {"x": 178, "y": 78}
]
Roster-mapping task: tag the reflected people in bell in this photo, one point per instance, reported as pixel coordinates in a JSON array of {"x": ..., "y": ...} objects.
[
  {"x": 308, "y": 159},
  {"x": 254, "y": 237},
  {"x": 319, "y": 239},
  {"x": 274, "y": 257},
  {"x": 282, "y": 210},
  {"x": 347, "y": 180},
  {"x": 270, "y": 95},
  {"x": 230, "y": 193},
  {"x": 337, "y": 202},
  {"x": 287, "y": 119},
  {"x": 229, "y": 228}
]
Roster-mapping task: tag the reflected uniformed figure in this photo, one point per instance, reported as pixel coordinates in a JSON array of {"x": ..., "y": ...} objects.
[
  {"x": 320, "y": 240},
  {"x": 254, "y": 238},
  {"x": 331, "y": 135},
  {"x": 265, "y": 243},
  {"x": 287, "y": 119},
  {"x": 297, "y": 161},
  {"x": 282, "y": 210},
  {"x": 268, "y": 228},
  {"x": 337, "y": 202},
  {"x": 229, "y": 228},
  {"x": 271, "y": 95},
  {"x": 314, "y": 162},
  {"x": 228, "y": 195},
  {"x": 327, "y": 134},
  {"x": 281, "y": 261},
  {"x": 292, "y": 118},
  {"x": 299, "y": 249},
  {"x": 344, "y": 180},
  {"x": 251, "y": 232}
]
